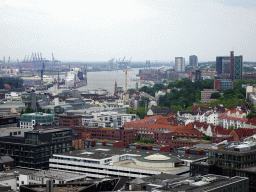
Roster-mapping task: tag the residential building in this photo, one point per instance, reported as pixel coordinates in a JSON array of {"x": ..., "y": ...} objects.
[
  {"x": 235, "y": 113},
  {"x": 206, "y": 95},
  {"x": 160, "y": 111},
  {"x": 193, "y": 61},
  {"x": 179, "y": 64},
  {"x": 29, "y": 120},
  {"x": 13, "y": 95},
  {"x": 198, "y": 75},
  {"x": 226, "y": 121},
  {"x": 36, "y": 147},
  {"x": 107, "y": 118}
]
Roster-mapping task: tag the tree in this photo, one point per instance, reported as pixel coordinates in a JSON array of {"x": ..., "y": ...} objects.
[
  {"x": 231, "y": 127},
  {"x": 22, "y": 112},
  {"x": 133, "y": 91},
  {"x": 250, "y": 115},
  {"x": 129, "y": 111},
  {"x": 48, "y": 111},
  {"x": 29, "y": 110},
  {"x": 177, "y": 107},
  {"x": 215, "y": 95},
  {"x": 141, "y": 112}
]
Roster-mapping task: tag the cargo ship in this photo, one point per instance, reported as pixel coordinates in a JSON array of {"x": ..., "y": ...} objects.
[{"x": 75, "y": 78}]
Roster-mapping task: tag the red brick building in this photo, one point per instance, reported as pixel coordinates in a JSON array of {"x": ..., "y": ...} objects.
[
  {"x": 71, "y": 120},
  {"x": 125, "y": 135},
  {"x": 206, "y": 95}
]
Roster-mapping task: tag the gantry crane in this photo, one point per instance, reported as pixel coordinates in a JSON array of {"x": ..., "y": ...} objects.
[{"x": 126, "y": 70}]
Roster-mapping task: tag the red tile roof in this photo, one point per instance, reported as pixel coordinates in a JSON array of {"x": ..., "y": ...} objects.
[
  {"x": 232, "y": 118},
  {"x": 251, "y": 121},
  {"x": 234, "y": 111}
]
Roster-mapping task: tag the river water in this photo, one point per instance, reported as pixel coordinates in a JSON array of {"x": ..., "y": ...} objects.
[{"x": 106, "y": 80}]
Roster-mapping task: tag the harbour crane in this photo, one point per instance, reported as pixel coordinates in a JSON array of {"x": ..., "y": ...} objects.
[
  {"x": 123, "y": 60},
  {"x": 126, "y": 70}
]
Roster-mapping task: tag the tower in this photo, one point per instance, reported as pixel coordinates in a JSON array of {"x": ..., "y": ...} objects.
[
  {"x": 236, "y": 66},
  {"x": 115, "y": 92},
  {"x": 193, "y": 61},
  {"x": 75, "y": 82},
  {"x": 58, "y": 83},
  {"x": 179, "y": 64}
]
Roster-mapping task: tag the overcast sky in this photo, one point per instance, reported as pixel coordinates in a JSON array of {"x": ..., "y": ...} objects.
[{"x": 98, "y": 30}]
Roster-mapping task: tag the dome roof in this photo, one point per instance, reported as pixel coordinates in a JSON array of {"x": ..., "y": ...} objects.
[{"x": 157, "y": 157}]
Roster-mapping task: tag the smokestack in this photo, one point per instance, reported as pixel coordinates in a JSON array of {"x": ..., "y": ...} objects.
[{"x": 75, "y": 82}]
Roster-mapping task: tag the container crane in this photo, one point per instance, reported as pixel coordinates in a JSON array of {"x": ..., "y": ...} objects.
[{"x": 126, "y": 70}]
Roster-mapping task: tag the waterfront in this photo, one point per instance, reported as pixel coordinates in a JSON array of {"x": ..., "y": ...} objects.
[{"x": 106, "y": 80}]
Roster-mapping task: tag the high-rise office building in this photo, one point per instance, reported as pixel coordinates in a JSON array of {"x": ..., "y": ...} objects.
[
  {"x": 193, "y": 61},
  {"x": 236, "y": 66},
  {"x": 179, "y": 64},
  {"x": 223, "y": 65},
  {"x": 232, "y": 65}
]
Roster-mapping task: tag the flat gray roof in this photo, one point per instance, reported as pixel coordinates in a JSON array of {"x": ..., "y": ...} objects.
[{"x": 103, "y": 152}]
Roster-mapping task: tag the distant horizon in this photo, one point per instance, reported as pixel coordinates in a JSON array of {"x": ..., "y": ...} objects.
[{"x": 142, "y": 29}]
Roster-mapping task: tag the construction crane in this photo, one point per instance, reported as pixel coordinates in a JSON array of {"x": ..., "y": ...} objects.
[{"x": 126, "y": 70}]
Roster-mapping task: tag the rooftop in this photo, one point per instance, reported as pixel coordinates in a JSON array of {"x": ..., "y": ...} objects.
[
  {"x": 198, "y": 184},
  {"x": 102, "y": 152},
  {"x": 57, "y": 174}
]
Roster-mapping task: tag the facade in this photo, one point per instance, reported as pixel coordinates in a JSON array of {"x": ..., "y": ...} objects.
[
  {"x": 198, "y": 75},
  {"x": 223, "y": 65},
  {"x": 226, "y": 121},
  {"x": 179, "y": 64},
  {"x": 232, "y": 65},
  {"x": 69, "y": 120},
  {"x": 99, "y": 162},
  {"x": 206, "y": 95},
  {"x": 34, "y": 150},
  {"x": 6, "y": 122},
  {"x": 223, "y": 84},
  {"x": 193, "y": 61},
  {"x": 236, "y": 68},
  {"x": 110, "y": 118},
  {"x": 13, "y": 95},
  {"x": 29, "y": 120},
  {"x": 230, "y": 159},
  {"x": 125, "y": 135}
]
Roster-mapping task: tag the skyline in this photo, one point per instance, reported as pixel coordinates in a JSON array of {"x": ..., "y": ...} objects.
[{"x": 143, "y": 30}]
